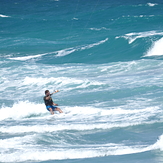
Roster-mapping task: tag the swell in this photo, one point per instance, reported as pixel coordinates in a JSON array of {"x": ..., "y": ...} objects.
[{"x": 131, "y": 46}]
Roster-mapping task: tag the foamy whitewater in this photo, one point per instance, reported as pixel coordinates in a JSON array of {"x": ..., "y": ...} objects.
[{"x": 105, "y": 57}]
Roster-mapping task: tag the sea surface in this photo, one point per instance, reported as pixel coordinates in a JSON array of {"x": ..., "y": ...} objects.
[{"x": 106, "y": 59}]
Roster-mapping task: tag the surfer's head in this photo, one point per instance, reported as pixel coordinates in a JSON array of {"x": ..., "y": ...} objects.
[{"x": 47, "y": 92}]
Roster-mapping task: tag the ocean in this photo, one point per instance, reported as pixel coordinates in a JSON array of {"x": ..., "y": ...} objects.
[{"x": 106, "y": 59}]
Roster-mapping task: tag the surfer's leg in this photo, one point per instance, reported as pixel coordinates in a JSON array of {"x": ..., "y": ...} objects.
[
  {"x": 51, "y": 111},
  {"x": 58, "y": 109}
]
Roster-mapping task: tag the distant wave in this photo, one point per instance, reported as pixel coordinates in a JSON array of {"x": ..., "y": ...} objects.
[
  {"x": 99, "y": 29},
  {"x": 95, "y": 44},
  {"x": 137, "y": 16},
  {"x": 131, "y": 37},
  {"x": 67, "y": 51},
  {"x": 28, "y": 57},
  {"x": 4, "y": 16},
  {"x": 60, "y": 53},
  {"x": 70, "y": 151},
  {"x": 152, "y": 4},
  {"x": 147, "y": 4},
  {"x": 156, "y": 49}
]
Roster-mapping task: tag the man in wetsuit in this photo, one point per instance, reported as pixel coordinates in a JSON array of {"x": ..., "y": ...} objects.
[{"x": 50, "y": 105}]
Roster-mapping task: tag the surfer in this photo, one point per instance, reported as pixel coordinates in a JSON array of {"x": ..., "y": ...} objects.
[{"x": 50, "y": 105}]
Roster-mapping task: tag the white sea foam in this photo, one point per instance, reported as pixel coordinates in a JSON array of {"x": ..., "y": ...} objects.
[
  {"x": 82, "y": 119},
  {"x": 70, "y": 152},
  {"x": 68, "y": 51},
  {"x": 65, "y": 52},
  {"x": 51, "y": 128},
  {"x": 24, "y": 58},
  {"x": 39, "y": 81},
  {"x": 75, "y": 18},
  {"x": 95, "y": 44},
  {"x": 138, "y": 16},
  {"x": 159, "y": 143},
  {"x": 60, "y": 53},
  {"x": 156, "y": 49},
  {"x": 131, "y": 37},
  {"x": 152, "y": 4},
  {"x": 106, "y": 118},
  {"x": 61, "y": 82},
  {"x": 99, "y": 29},
  {"x": 17, "y": 142},
  {"x": 4, "y": 16},
  {"x": 21, "y": 110}
]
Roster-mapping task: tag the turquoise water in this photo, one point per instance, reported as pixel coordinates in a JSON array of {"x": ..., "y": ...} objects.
[{"x": 105, "y": 57}]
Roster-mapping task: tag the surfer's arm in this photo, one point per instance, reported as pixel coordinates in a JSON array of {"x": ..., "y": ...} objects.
[
  {"x": 55, "y": 92},
  {"x": 47, "y": 97},
  {"x": 55, "y": 104}
]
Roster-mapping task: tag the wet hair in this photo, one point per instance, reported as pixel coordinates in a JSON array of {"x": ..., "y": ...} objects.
[{"x": 46, "y": 91}]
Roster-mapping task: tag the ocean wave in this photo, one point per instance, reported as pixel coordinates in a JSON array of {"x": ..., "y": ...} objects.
[
  {"x": 61, "y": 82},
  {"x": 159, "y": 143},
  {"x": 40, "y": 129},
  {"x": 147, "y": 4},
  {"x": 131, "y": 37},
  {"x": 25, "y": 58},
  {"x": 137, "y": 16},
  {"x": 92, "y": 45},
  {"x": 152, "y": 4},
  {"x": 87, "y": 113},
  {"x": 65, "y": 52},
  {"x": 60, "y": 53},
  {"x": 156, "y": 49},
  {"x": 31, "y": 152},
  {"x": 99, "y": 29},
  {"x": 22, "y": 109},
  {"x": 4, "y": 16}
]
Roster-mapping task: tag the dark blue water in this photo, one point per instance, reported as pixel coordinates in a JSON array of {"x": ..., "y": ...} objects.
[{"x": 105, "y": 57}]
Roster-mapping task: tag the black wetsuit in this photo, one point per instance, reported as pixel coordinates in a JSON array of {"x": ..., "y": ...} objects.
[{"x": 48, "y": 102}]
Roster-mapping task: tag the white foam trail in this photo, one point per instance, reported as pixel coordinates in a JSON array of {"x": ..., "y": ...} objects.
[
  {"x": 131, "y": 37},
  {"x": 4, "y": 16},
  {"x": 156, "y": 49}
]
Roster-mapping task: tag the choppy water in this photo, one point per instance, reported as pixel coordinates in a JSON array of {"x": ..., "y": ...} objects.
[{"x": 105, "y": 58}]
